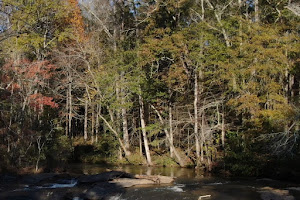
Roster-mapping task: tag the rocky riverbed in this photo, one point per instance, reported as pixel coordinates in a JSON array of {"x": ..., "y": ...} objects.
[
  {"x": 123, "y": 184},
  {"x": 64, "y": 186}
]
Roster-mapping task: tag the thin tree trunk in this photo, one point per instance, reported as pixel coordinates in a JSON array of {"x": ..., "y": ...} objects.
[
  {"x": 67, "y": 115},
  {"x": 286, "y": 84},
  {"x": 125, "y": 130},
  {"x": 134, "y": 124},
  {"x": 291, "y": 85},
  {"x": 70, "y": 107},
  {"x": 86, "y": 120},
  {"x": 223, "y": 130},
  {"x": 124, "y": 118},
  {"x": 202, "y": 137},
  {"x": 93, "y": 123},
  {"x": 171, "y": 132},
  {"x": 196, "y": 127},
  {"x": 141, "y": 143},
  {"x": 97, "y": 123},
  {"x": 115, "y": 31},
  {"x": 256, "y": 11},
  {"x": 143, "y": 126},
  {"x": 114, "y": 132},
  {"x": 208, "y": 157},
  {"x": 219, "y": 20},
  {"x": 178, "y": 157}
]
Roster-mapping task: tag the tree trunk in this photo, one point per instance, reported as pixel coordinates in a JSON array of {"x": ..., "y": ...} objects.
[
  {"x": 223, "y": 130},
  {"x": 171, "y": 132},
  {"x": 115, "y": 133},
  {"x": 70, "y": 108},
  {"x": 143, "y": 126},
  {"x": 67, "y": 115},
  {"x": 93, "y": 124},
  {"x": 291, "y": 86},
  {"x": 86, "y": 120},
  {"x": 196, "y": 127},
  {"x": 125, "y": 131},
  {"x": 97, "y": 123},
  {"x": 124, "y": 118},
  {"x": 202, "y": 136},
  {"x": 256, "y": 11},
  {"x": 141, "y": 143},
  {"x": 179, "y": 159}
]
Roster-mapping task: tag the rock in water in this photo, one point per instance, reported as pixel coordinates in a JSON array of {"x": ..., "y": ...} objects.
[
  {"x": 104, "y": 177},
  {"x": 157, "y": 178},
  {"x": 128, "y": 182},
  {"x": 103, "y": 191},
  {"x": 268, "y": 193},
  {"x": 142, "y": 180}
]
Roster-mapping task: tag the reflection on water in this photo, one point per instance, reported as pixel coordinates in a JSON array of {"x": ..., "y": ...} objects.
[
  {"x": 189, "y": 184},
  {"x": 141, "y": 170}
]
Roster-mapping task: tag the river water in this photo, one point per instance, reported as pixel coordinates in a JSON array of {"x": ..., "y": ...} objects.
[{"x": 191, "y": 185}]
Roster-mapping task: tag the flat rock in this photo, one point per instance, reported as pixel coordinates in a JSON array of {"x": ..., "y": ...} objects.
[
  {"x": 103, "y": 191},
  {"x": 129, "y": 182},
  {"x": 37, "y": 178},
  {"x": 158, "y": 179},
  {"x": 142, "y": 180},
  {"x": 103, "y": 177},
  {"x": 268, "y": 193}
]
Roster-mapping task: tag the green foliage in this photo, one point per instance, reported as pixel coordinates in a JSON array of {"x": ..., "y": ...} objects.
[
  {"x": 134, "y": 159},
  {"x": 37, "y": 26},
  {"x": 245, "y": 163},
  {"x": 61, "y": 149},
  {"x": 165, "y": 161}
]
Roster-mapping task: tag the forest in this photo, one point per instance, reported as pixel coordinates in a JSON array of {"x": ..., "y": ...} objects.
[{"x": 208, "y": 84}]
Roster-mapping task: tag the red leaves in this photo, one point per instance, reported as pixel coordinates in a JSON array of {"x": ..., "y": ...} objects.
[
  {"x": 37, "y": 70},
  {"x": 25, "y": 80},
  {"x": 38, "y": 101}
]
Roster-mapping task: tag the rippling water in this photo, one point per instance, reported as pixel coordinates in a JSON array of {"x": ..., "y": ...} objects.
[{"x": 191, "y": 185}]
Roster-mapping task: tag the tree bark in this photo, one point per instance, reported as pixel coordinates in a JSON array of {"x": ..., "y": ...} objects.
[
  {"x": 86, "y": 120},
  {"x": 124, "y": 117},
  {"x": 196, "y": 125},
  {"x": 143, "y": 126},
  {"x": 114, "y": 132},
  {"x": 256, "y": 11},
  {"x": 70, "y": 107},
  {"x": 179, "y": 159},
  {"x": 171, "y": 140},
  {"x": 93, "y": 124},
  {"x": 125, "y": 130},
  {"x": 67, "y": 115},
  {"x": 98, "y": 110},
  {"x": 202, "y": 136},
  {"x": 223, "y": 130}
]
